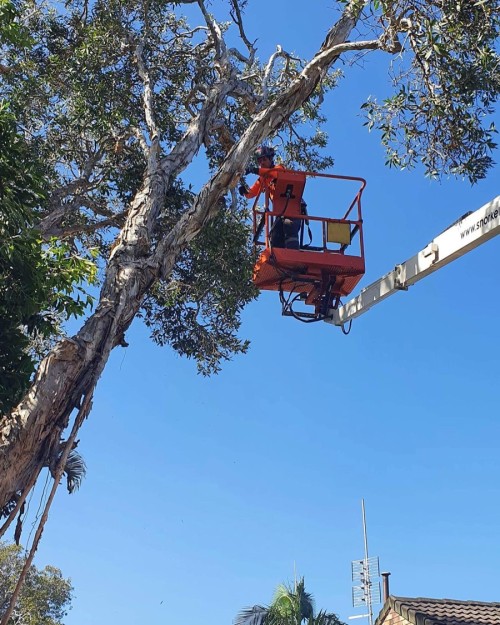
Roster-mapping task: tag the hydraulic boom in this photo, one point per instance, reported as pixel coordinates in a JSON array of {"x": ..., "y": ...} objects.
[{"x": 464, "y": 235}]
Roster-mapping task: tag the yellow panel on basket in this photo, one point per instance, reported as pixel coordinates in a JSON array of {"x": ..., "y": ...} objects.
[{"x": 338, "y": 233}]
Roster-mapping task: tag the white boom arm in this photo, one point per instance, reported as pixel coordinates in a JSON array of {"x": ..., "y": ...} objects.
[{"x": 467, "y": 233}]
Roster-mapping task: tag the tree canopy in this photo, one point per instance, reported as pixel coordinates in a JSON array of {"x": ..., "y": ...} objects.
[
  {"x": 45, "y": 597},
  {"x": 37, "y": 280},
  {"x": 119, "y": 98}
]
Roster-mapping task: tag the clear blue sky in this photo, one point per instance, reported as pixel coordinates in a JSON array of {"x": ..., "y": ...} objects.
[{"x": 202, "y": 494}]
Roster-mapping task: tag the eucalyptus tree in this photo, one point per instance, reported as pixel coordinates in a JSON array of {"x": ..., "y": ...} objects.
[
  {"x": 46, "y": 596},
  {"x": 120, "y": 97},
  {"x": 37, "y": 281},
  {"x": 291, "y": 605}
]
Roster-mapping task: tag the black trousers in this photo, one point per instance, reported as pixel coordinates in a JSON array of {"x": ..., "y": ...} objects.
[{"x": 285, "y": 233}]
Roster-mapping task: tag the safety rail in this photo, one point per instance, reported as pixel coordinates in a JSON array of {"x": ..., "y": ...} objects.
[
  {"x": 318, "y": 274},
  {"x": 326, "y": 243},
  {"x": 263, "y": 220}
]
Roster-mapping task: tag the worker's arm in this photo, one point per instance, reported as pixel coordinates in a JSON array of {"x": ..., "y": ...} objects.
[{"x": 255, "y": 189}]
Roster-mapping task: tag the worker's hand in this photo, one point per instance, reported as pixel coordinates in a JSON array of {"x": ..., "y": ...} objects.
[
  {"x": 243, "y": 189},
  {"x": 252, "y": 170}
]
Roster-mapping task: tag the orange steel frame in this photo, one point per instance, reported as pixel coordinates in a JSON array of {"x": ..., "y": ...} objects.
[{"x": 320, "y": 275}]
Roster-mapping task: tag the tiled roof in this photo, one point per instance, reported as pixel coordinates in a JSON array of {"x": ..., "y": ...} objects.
[{"x": 421, "y": 611}]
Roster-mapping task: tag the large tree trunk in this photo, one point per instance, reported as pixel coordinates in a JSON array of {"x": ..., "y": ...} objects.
[{"x": 70, "y": 372}]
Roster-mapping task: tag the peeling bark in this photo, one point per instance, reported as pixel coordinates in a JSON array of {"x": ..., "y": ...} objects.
[{"x": 69, "y": 374}]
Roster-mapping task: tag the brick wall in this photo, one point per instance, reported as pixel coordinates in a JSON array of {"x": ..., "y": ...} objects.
[{"x": 393, "y": 618}]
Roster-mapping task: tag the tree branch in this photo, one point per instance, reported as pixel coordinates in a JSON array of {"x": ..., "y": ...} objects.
[
  {"x": 205, "y": 205},
  {"x": 238, "y": 19},
  {"x": 57, "y": 208},
  {"x": 147, "y": 94},
  {"x": 219, "y": 43},
  {"x": 280, "y": 53},
  {"x": 62, "y": 232},
  {"x": 68, "y": 374}
]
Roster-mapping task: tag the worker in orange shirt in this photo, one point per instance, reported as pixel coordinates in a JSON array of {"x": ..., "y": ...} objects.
[{"x": 285, "y": 231}]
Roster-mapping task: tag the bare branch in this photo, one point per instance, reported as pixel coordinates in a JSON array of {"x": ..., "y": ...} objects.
[
  {"x": 147, "y": 96},
  {"x": 220, "y": 45},
  {"x": 188, "y": 34},
  {"x": 237, "y": 55},
  {"x": 138, "y": 134},
  {"x": 355, "y": 46},
  {"x": 57, "y": 206},
  {"x": 280, "y": 53},
  {"x": 238, "y": 20},
  {"x": 116, "y": 221}
]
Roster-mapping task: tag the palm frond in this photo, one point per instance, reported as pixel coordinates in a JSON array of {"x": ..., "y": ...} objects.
[
  {"x": 285, "y": 602},
  {"x": 284, "y": 614},
  {"x": 75, "y": 470},
  {"x": 293, "y": 603},
  {"x": 306, "y": 600},
  {"x": 325, "y": 618},
  {"x": 9, "y": 505},
  {"x": 256, "y": 615}
]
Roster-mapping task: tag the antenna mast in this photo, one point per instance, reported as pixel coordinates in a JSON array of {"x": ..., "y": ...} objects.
[{"x": 367, "y": 592}]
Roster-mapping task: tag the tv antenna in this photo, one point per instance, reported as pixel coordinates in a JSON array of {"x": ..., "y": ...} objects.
[{"x": 365, "y": 571}]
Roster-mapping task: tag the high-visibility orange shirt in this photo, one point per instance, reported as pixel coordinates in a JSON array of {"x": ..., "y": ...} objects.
[{"x": 265, "y": 183}]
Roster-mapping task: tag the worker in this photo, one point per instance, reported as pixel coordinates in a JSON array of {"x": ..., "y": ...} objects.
[{"x": 285, "y": 231}]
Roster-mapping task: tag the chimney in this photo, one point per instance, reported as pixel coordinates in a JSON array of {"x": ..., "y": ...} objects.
[{"x": 385, "y": 584}]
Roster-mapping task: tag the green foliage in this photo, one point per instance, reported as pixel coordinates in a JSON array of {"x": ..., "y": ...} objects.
[
  {"x": 198, "y": 310},
  {"x": 91, "y": 120},
  {"x": 39, "y": 284},
  {"x": 11, "y": 32},
  {"x": 45, "y": 597},
  {"x": 291, "y": 605},
  {"x": 306, "y": 150},
  {"x": 446, "y": 85},
  {"x": 77, "y": 92}
]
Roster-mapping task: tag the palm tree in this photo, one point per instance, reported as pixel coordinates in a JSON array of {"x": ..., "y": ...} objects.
[{"x": 291, "y": 606}]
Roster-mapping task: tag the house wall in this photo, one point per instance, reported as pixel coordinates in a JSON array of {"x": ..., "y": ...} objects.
[{"x": 393, "y": 618}]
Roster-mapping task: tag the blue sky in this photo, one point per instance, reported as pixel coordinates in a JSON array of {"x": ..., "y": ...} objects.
[{"x": 203, "y": 494}]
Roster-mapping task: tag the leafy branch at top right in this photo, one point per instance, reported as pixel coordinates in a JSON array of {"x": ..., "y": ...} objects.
[{"x": 446, "y": 79}]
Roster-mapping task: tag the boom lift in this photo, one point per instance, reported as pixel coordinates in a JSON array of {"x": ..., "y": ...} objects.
[
  {"x": 313, "y": 275},
  {"x": 467, "y": 233}
]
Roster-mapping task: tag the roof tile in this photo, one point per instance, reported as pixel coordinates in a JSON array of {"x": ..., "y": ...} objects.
[{"x": 423, "y": 611}]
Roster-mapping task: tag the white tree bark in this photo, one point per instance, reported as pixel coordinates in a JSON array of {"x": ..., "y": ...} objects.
[{"x": 70, "y": 372}]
